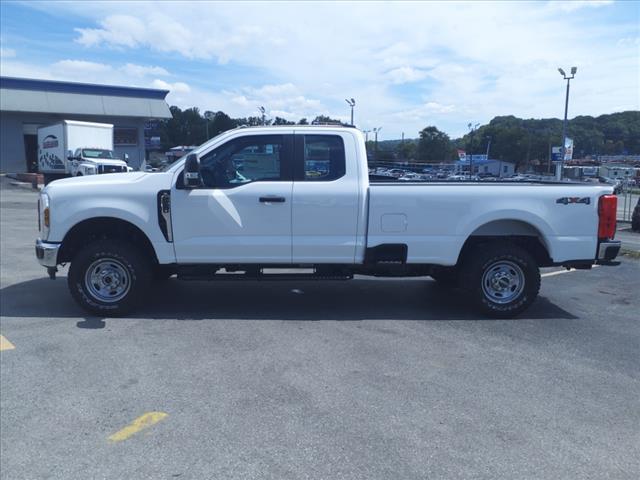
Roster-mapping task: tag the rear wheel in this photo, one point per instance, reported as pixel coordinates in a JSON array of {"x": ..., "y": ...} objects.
[
  {"x": 109, "y": 277},
  {"x": 502, "y": 280}
]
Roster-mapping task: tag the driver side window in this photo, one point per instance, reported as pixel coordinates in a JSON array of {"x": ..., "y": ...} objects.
[{"x": 243, "y": 160}]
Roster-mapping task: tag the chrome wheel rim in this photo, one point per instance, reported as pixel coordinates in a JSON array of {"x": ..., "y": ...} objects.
[
  {"x": 107, "y": 280},
  {"x": 503, "y": 282}
]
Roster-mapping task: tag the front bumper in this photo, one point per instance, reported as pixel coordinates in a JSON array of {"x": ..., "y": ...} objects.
[
  {"x": 608, "y": 251},
  {"x": 47, "y": 253}
]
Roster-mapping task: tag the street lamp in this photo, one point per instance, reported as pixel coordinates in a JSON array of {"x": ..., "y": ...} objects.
[
  {"x": 208, "y": 116},
  {"x": 351, "y": 103},
  {"x": 375, "y": 131},
  {"x": 472, "y": 129},
  {"x": 488, "y": 137},
  {"x": 262, "y": 113},
  {"x": 366, "y": 135},
  {"x": 564, "y": 124}
]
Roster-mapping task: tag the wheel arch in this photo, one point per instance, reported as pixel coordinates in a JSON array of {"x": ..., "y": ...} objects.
[
  {"x": 86, "y": 231},
  {"x": 518, "y": 232}
]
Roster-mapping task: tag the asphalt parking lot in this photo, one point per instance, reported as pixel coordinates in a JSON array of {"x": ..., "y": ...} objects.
[{"x": 369, "y": 379}]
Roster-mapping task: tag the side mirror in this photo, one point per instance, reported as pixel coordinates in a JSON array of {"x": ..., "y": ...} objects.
[
  {"x": 192, "y": 177},
  {"x": 70, "y": 155},
  {"x": 126, "y": 157}
]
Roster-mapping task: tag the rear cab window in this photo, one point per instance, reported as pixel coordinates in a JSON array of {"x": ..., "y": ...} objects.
[{"x": 319, "y": 158}]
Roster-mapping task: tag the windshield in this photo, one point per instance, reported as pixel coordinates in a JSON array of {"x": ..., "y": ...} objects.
[{"x": 96, "y": 153}]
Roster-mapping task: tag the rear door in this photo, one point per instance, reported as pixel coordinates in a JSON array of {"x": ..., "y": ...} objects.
[
  {"x": 325, "y": 198},
  {"x": 242, "y": 214}
]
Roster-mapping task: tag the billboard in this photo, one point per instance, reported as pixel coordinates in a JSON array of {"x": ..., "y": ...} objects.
[
  {"x": 568, "y": 149},
  {"x": 556, "y": 152}
]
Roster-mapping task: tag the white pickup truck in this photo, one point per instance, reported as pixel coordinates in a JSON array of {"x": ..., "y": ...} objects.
[{"x": 297, "y": 203}]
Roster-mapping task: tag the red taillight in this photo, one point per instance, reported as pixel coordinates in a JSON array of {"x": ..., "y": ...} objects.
[{"x": 607, "y": 210}]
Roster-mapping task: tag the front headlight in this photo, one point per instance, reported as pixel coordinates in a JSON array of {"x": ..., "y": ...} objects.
[
  {"x": 90, "y": 170},
  {"x": 44, "y": 215}
]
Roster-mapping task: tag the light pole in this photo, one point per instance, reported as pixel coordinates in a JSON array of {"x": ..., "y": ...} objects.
[
  {"x": 375, "y": 131},
  {"x": 262, "y": 113},
  {"x": 488, "y": 149},
  {"x": 351, "y": 103},
  {"x": 366, "y": 136},
  {"x": 559, "y": 165},
  {"x": 208, "y": 116},
  {"x": 472, "y": 129}
]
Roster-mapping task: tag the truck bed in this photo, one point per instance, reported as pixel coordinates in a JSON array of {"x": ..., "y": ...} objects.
[{"x": 434, "y": 219}]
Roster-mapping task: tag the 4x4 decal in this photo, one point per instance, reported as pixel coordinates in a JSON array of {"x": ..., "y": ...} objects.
[{"x": 568, "y": 200}]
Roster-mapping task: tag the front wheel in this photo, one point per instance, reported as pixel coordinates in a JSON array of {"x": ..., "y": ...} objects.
[
  {"x": 502, "y": 280},
  {"x": 109, "y": 277}
]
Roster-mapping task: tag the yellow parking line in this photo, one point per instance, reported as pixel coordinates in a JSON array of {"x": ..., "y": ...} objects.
[
  {"x": 140, "y": 423},
  {"x": 5, "y": 344}
]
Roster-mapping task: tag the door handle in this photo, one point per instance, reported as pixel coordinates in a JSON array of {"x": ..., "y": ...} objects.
[{"x": 271, "y": 199}]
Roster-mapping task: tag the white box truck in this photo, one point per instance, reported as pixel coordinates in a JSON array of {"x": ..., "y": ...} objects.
[{"x": 71, "y": 149}]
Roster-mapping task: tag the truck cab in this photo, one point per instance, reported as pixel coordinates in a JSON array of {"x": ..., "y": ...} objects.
[{"x": 92, "y": 161}]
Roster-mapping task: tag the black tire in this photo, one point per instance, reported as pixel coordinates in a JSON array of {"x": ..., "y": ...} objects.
[
  {"x": 105, "y": 267},
  {"x": 501, "y": 279}
]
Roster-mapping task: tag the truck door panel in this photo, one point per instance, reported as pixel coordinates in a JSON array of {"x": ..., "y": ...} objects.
[
  {"x": 243, "y": 212},
  {"x": 325, "y": 199}
]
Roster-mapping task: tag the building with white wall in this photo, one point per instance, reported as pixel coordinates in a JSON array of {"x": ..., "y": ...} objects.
[{"x": 26, "y": 104}]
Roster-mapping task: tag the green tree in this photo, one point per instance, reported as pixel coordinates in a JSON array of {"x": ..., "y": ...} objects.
[
  {"x": 282, "y": 121},
  {"x": 434, "y": 145},
  {"x": 324, "y": 119}
]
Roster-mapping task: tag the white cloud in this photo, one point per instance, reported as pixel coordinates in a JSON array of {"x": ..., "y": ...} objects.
[
  {"x": 117, "y": 30},
  {"x": 143, "y": 70},
  {"x": 7, "y": 52},
  {"x": 68, "y": 67},
  {"x": 402, "y": 75},
  {"x": 572, "y": 5},
  {"x": 443, "y": 62},
  {"x": 177, "y": 87}
]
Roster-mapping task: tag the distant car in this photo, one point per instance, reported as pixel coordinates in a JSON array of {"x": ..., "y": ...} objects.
[
  {"x": 396, "y": 172},
  {"x": 410, "y": 177},
  {"x": 616, "y": 184},
  {"x": 635, "y": 218}
]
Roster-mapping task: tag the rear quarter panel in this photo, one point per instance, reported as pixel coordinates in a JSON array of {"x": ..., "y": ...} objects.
[{"x": 435, "y": 219}]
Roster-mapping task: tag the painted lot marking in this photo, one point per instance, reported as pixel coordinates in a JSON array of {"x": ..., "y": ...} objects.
[
  {"x": 559, "y": 272},
  {"x": 140, "y": 423},
  {"x": 5, "y": 344}
]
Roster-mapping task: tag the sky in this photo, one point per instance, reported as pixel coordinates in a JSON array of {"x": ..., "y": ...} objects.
[{"x": 407, "y": 64}]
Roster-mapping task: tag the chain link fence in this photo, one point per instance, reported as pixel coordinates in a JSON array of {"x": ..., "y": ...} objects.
[{"x": 627, "y": 201}]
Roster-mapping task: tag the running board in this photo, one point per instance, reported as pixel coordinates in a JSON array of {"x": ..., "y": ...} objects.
[{"x": 260, "y": 274}]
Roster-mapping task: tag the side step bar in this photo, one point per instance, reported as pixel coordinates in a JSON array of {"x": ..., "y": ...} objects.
[{"x": 197, "y": 273}]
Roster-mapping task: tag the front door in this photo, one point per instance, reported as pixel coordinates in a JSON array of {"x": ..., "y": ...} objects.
[{"x": 242, "y": 214}]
